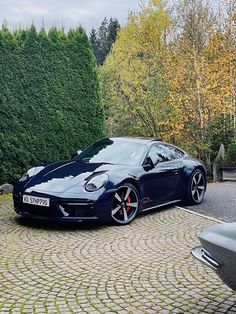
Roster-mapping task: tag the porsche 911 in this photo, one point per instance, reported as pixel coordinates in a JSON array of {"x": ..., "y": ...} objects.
[{"x": 112, "y": 180}]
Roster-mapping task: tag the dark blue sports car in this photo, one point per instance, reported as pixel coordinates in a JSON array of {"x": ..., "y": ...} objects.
[{"x": 111, "y": 181}]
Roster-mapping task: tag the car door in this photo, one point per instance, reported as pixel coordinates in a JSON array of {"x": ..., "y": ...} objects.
[{"x": 159, "y": 182}]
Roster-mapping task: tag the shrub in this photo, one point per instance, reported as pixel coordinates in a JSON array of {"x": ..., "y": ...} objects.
[{"x": 49, "y": 98}]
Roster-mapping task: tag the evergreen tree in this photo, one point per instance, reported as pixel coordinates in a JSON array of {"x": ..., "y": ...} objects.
[
  {"x": 113, "y": 28},
  {"x": 103, "y": 39},
  {"x": 94, "y": 42},
  {"x": 49, "y": 98}
]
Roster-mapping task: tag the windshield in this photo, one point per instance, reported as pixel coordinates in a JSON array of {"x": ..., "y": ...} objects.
[{"x": 118, "y": 153}]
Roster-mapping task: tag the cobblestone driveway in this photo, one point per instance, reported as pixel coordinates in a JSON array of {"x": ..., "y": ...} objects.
[{"x": 145, "y": 267}]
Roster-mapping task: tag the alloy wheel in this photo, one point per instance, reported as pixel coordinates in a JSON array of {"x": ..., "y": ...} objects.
[
  {"x": 198, "y": 186},
  {"x": 125, "y": 205}
]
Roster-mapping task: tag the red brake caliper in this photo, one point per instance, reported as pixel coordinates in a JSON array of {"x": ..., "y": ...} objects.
[{"x": 128, "y": 201}]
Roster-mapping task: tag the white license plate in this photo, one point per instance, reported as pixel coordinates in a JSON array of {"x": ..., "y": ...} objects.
[{"x": 34, "y": 200}]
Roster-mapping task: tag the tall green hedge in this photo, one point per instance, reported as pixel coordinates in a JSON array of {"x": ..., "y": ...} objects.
[{"x": 49, "y": 98}]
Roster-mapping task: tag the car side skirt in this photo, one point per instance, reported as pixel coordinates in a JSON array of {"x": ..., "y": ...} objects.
[{"x": 160, "y": 205}]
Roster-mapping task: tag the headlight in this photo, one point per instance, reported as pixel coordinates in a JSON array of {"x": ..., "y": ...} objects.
[
  {"x": 96, "y": 182},
  {"x": 30, "y": 173}
]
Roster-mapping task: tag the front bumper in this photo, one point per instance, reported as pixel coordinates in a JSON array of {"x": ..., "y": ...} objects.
[
  {"x": 204, "y": 257},
  {"x": 225, "y": 270},
  {"x": 218, "y": 251},
  {"x": 62, "y": 209}
]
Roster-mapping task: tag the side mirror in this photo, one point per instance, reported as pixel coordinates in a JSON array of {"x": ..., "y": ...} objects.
[
  {"x": 76, "y": 154},
  {"x": 151, "y": 162},
  {"x": 155, "y": 160}
]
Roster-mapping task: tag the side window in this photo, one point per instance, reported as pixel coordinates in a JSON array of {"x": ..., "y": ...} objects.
[
  {"x": 178, "y": 153},
  {"x": 160, "y": 151},
  {"x": 164, "y": 152},
  {"x": 173, "y": 152}
]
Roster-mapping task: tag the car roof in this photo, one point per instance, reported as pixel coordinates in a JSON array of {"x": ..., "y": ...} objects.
[{"x": 144, "y": 140}]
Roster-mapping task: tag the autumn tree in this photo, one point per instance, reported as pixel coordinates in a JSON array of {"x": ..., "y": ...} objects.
[
  {"x": 187, "y": 74},
  {"x": 133, "y": 75},
  {"x": 172, "y": 75},
  {"x": 221, "y": 77}
]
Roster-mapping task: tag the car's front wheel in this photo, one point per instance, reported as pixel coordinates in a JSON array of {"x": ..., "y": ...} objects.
[
  {"x": 125, "y": 205},
  {"x": 196, "y": 187}
]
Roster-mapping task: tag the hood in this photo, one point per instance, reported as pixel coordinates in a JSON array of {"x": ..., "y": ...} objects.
[{"x": 61, "y": 177}]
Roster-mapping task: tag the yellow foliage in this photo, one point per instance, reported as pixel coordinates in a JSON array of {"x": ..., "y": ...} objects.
[{"x": 167, "y": 88}]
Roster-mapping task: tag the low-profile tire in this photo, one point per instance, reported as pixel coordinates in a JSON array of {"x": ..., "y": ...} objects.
[
  {"x": 196, "y": 187},
  {"x": 125, "y": 204}
]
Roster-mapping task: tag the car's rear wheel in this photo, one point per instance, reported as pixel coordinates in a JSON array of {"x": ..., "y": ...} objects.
[
  {"x": 196, "y": 187},
  {"x": 125, "y": 205}
]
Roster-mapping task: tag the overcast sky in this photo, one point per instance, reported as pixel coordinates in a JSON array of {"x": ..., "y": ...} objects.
[{"x": 67, "y": 13}]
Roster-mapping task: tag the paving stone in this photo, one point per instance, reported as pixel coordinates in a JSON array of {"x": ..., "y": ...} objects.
[{"x": 144, "y": 268}]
